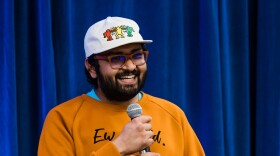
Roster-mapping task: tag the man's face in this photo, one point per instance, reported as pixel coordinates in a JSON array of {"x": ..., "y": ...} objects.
[{"x": 125, "y": 83}]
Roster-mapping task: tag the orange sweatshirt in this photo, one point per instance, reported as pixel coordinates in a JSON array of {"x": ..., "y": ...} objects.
[{"x": 84, "y": 126}]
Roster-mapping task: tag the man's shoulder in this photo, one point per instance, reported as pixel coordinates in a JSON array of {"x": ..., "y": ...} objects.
[
  {"x": 73, "y": 102},
  {"x": 65, "y": 113},
  {"x": 158, "y": 99},
  {"x": 167, "y": 107},
  {"x": 163, "y": 103},
  {"x": 70, "y": 106}
]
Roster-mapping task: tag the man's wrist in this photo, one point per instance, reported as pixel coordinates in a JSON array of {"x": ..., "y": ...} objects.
[{"x": 119, "y": 145}]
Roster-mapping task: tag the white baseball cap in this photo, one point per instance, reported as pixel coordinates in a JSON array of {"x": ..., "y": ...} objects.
[{"x": 110, "y": 33}]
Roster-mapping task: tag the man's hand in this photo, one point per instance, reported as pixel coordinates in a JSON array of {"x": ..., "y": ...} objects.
[
  {"x": 150, "y": 154},
  {"x": 135, "y": 136}
]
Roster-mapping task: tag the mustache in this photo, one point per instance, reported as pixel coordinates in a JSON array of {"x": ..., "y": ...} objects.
[{"x": 128, "y": 72}]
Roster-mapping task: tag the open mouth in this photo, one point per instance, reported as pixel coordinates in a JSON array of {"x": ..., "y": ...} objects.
[{"x": 128, "y": 79}]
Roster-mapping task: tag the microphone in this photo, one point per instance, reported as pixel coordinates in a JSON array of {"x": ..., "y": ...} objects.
[{"x": 135, "y": 110}]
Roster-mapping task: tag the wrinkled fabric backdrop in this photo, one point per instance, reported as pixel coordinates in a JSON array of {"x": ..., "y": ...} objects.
[{"x": 216, "y": 59}]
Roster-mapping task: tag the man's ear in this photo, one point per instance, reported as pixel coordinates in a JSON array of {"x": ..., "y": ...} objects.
[{"x": 90, "y": 69}]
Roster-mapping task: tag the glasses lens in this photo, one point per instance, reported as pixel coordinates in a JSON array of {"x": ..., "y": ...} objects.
[
  {"x": 138, "y": 58},
  {"x": 117, "y": 61}
]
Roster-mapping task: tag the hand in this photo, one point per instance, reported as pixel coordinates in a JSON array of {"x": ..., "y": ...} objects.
[
  {"x": 136, "y": 135},
  {"x": 150, "y": 154}
]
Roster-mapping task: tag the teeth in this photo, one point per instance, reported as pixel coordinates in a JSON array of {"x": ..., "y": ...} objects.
[{"x": 128, "y": 77}]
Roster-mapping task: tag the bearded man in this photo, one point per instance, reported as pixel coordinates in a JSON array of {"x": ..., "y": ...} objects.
[{"x": 97, "y": 123}]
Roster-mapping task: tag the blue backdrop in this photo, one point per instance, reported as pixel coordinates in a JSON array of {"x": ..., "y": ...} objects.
[{"x": 216, "y": 59}]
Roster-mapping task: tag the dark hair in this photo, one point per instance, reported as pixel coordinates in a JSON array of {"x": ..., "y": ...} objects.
[{"x": 95, "y": 64}]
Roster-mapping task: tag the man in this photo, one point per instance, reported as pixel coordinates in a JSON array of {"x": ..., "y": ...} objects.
[{"x": 97, "y": 123}]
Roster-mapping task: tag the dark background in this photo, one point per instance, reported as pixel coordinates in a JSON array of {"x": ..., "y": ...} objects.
[{"x": 216, "y": 59}]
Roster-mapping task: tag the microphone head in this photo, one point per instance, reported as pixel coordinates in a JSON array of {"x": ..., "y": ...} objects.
[{"x": 134, "y": 110}]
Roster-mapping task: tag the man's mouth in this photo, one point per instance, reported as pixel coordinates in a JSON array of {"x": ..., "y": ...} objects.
[{"x": 128, "y": 79}]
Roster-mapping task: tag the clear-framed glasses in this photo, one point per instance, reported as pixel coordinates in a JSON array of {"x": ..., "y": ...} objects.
[{"x": 118, "y": 61}]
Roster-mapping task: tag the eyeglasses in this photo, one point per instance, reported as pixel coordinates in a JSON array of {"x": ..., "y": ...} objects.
[{"x": 118, "y": 61}]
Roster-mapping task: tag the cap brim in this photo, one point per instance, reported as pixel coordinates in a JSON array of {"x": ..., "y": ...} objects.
[{"x": 118, "y": 45}]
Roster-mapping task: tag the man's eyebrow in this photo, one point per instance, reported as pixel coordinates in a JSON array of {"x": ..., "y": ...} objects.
[{"x": 120, "y": 52}]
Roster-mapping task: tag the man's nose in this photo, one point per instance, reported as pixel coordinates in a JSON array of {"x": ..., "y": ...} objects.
[{"x": 129, "y": 65}]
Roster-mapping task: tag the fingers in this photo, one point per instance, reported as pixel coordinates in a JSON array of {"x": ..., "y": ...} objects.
[
  {"x": 147, "y": 127},
  {"x": 150, "y": 154},
  {"x": 135, "y": 135},
  {"x": 142, "y": 123},
  {"x": 149, "y": 134},
  {"x": 143, "y": 119}
]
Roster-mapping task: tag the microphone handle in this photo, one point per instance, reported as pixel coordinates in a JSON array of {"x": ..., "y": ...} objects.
[{"x": 145, "y": 150}]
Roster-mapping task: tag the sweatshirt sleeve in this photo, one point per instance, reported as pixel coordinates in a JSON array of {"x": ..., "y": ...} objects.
[
  {"x": 192, "y": 144},
  {"x": 107, "y": 149},
  {"x": 56, "y": 138}
]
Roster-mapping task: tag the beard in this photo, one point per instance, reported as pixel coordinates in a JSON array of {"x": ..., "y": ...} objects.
[{"x": 115, "y": 91}]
